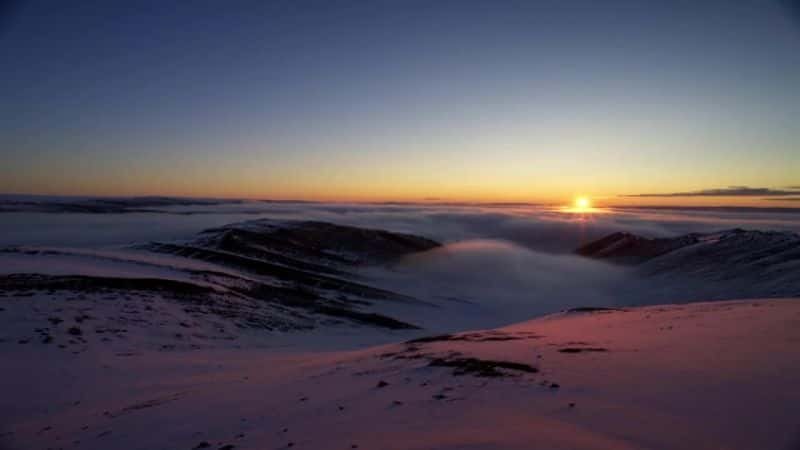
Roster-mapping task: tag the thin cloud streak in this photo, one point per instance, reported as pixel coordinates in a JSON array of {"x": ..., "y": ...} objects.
[
  {"x": 730, "y": 191},
  {"x": 785, "y": 199}
]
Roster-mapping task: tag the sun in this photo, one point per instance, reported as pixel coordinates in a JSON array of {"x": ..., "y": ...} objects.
[{"x": 583, "y": 204}]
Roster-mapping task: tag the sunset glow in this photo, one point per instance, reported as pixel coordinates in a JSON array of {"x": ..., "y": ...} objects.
[
  {"x": 493, "y": 112},
  {"x": 582, "y": 203}
]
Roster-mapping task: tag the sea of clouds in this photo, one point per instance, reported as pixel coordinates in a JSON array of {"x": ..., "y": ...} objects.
[
  {"x": 541, "y": 228},
  {"x": 499, "y": 264}
]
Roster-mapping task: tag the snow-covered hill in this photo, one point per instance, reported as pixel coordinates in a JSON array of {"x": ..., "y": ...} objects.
[
  {"x": 264, "y": 275},
  {"x": 727, "y": 264},
  {"x": 234, "y": 338},
  {"x": 719, "y": 375}
]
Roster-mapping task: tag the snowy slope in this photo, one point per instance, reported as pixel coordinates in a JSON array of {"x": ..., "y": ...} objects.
[
  {"x": 196, "y": 343},
  {"x": 721, "y": 265},
  {"x": 720, "y": 375},
  {"x": 264, "y": 275}
]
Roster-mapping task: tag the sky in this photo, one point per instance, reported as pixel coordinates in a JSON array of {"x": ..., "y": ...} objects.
[{"x": 627, "y": 102}]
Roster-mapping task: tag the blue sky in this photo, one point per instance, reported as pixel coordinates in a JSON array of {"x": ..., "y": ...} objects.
[{"x": 398, "y": 100}]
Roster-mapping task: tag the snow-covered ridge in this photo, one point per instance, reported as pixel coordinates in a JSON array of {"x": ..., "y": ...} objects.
[
  {"x": 265, "y": 275},
  {"x": 725, "y": 264},
  {"x": 315, "y": 241},
  {"x": 627, "y": 248}
]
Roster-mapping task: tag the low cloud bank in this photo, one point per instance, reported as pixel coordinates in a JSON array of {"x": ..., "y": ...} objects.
[
  {"x": 500, "y": 263},
  {"x": 535, "y": 227},
  {"x": 490, "y": 283}
]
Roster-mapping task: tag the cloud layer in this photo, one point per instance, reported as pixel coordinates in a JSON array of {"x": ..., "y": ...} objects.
[
  {"x": 535, "y": 227},
  {"x": 500, "y": 263}
]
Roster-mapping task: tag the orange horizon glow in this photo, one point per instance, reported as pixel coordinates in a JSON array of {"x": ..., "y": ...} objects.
[{"x": 596, "y": 203}]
